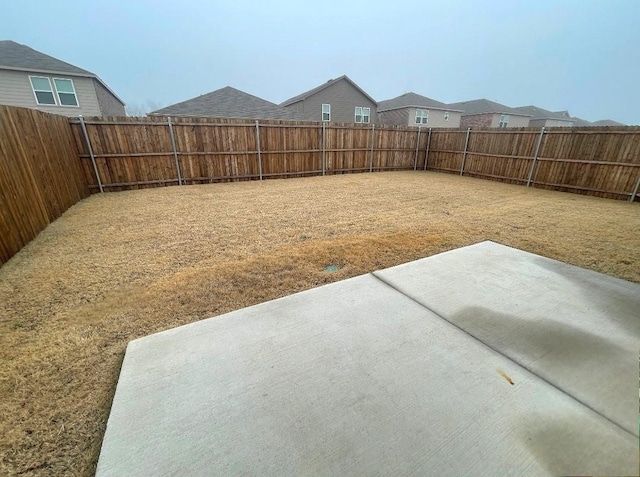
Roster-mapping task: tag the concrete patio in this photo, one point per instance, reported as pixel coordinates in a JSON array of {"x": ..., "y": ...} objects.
[{"x": 485, "y": 360}]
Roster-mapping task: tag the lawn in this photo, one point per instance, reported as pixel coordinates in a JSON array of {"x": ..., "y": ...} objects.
[{"x": 118, "y": 266}]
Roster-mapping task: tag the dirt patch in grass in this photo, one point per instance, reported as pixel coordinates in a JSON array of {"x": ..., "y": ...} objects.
[{"x": 120, "y": 266}]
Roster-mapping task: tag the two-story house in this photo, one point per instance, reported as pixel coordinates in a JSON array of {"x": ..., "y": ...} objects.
[
  {"x": 338, "y": 100},
  {"x": 411, "y": 109},
  {"x": 482, "y": 113},
  {"x": 31, "y": 79}
]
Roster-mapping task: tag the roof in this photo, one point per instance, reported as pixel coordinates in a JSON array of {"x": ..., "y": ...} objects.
[
  {"x": 306, "y": 94},
  {"x": 607, "y": 122},
  {"x": 15, "y": 56},
  {"x": 482, "y": 106},
  {"x": 538, "y": 113},
  {"x": 229, "y": 102},
  {"x": 579, "y": 122},
  {"x": 412, "y": 100}
]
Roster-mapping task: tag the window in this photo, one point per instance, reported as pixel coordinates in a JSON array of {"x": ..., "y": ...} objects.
[
  {"x": 504, "y": 121},
  {"x": 66, "y": 92},
  {"x": 422, "y": 116},
  {"x": 446, "y": 115},
  {"x": 326, "y": 112},
  {"x": 362, "y": 115},
  {"x": 42, "y": 90}
]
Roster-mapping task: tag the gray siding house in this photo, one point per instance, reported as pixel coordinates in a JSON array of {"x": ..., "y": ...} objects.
[
  {"x": 482, "y": 113},
  {"x": 228, "y": 102},
  {"x": 338, "y": 100},
  {"x": 411, "y": 109},
  {"x": 544, "y": 118},
  {"x": 31, "y": 79}
]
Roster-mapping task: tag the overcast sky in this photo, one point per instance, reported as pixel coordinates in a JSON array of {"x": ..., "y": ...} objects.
[{"x": 583, "y": 56}]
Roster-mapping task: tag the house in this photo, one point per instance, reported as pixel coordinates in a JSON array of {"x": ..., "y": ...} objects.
[
  {"x": 482, "y": 113},
  {"x": 411, "y": 109},
  {"x": 339, "y": 100},
  {"x": 544, "y": 118},
  {"x": 607, "y": 122},
  {"x": 581, "y": 123},
  {"x": 31, "y": 79},
  {"x": 228, "y": 102}
]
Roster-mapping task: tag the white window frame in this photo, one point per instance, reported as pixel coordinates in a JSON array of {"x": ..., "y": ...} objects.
[
  {"x": 446, "y": 115},
  {"x": 328, "y": 112},
  {"x": 422, "y": 116},
  {"x": 366, "y": 113},
  {"x": 53, "y": 91},
  {"x": 504, "y": 121},
  {"x": 355, "y": 114},
  {"x": 73, "y": 86}
]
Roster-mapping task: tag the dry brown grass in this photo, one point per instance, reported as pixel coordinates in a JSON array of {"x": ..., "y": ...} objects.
[{"x": 122, "y": 265}]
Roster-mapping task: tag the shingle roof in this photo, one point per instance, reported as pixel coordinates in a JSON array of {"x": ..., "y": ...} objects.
[
  {"x": 480, "y": 106},
  {"x": 579, "y": 122},
  {"x": 607, "y": 122},
  {"x": 229, "y": 102},
  {"x": 306, "y": 94},
  {"x": 15, "y": 55},
  {"x": 20, "y": 57},
  {"x": 412, "y": 100},
  {"x": 538, "y": 113}
]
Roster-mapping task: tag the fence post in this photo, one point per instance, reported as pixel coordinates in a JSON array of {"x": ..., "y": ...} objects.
[
  {"x": 415, "y": 161},
  {"x": 93, "y": 157},
  {"x": 324, "y": 147},
  {"x": 373, "y": 132},
  {"x": 635, "y": 190},
  {"x": 426, "y": 156},
  {"x": 175, "y": 152},
  {"x": 535, "y": 157},
  {"x": 258, "y": 148},
  {"x": 464, "y": 154}
]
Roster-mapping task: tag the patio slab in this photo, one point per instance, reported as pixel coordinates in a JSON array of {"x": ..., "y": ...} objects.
[{"x": 353, "y": 378}]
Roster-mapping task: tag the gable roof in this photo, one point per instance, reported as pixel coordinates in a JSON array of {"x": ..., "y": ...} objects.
[
  {"x": 306, "y": 94},
  {"x": 15, "y": 56},
  {"x": 607, "y": 122},
  {"x": 483, "y": 106},
  {"x": 413, "y": 100},
  {"x": 229, "y": 102},
  {"x": 538, "y": 113}
]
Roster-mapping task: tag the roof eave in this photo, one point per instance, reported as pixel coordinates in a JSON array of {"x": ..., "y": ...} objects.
[{"x": 438, "y": 108}]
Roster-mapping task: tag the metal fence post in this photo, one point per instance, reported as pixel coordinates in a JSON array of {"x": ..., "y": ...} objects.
[
  {"x": 464, "y": 154},
  {"x": 258, "y": 148},
  {"x": 373, "y": 132},
  {"x": 324, "y": 147},
  {"x": 415, "y": 161},
  {"x": 93, "y": 157},
  {"x": 635, "y": 190},
  {"x": 175, "y": 151},
  {"x": 426, "y": 156},
  {"x": 535, "y": 157}
]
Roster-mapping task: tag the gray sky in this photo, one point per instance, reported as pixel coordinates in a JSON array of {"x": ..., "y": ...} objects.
[{"x": 583, "y": 56}]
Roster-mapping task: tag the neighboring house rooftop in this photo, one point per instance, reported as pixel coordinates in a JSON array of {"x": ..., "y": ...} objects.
[
  {"x": 579, "y": 122},
  {"x": 228, "y": 102},
  {"x": 539, "y": 113},
  {"x": 306, "y": 94},
  {"x": 413, "y": 100},
  {"x": 484, "y": 106},
  {"x": 15, "y": 56},
  {"x": 607, "y": 122}
]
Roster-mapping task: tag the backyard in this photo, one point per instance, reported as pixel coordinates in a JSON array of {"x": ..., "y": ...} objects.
[{"x": 119, "y": 266}]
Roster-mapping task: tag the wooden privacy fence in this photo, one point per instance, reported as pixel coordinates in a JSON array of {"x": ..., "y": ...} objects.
[
  {"x": 131, "y": 153},
  {"x": 125, "y": 153},
  {"x": 40, "y": 175}
]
